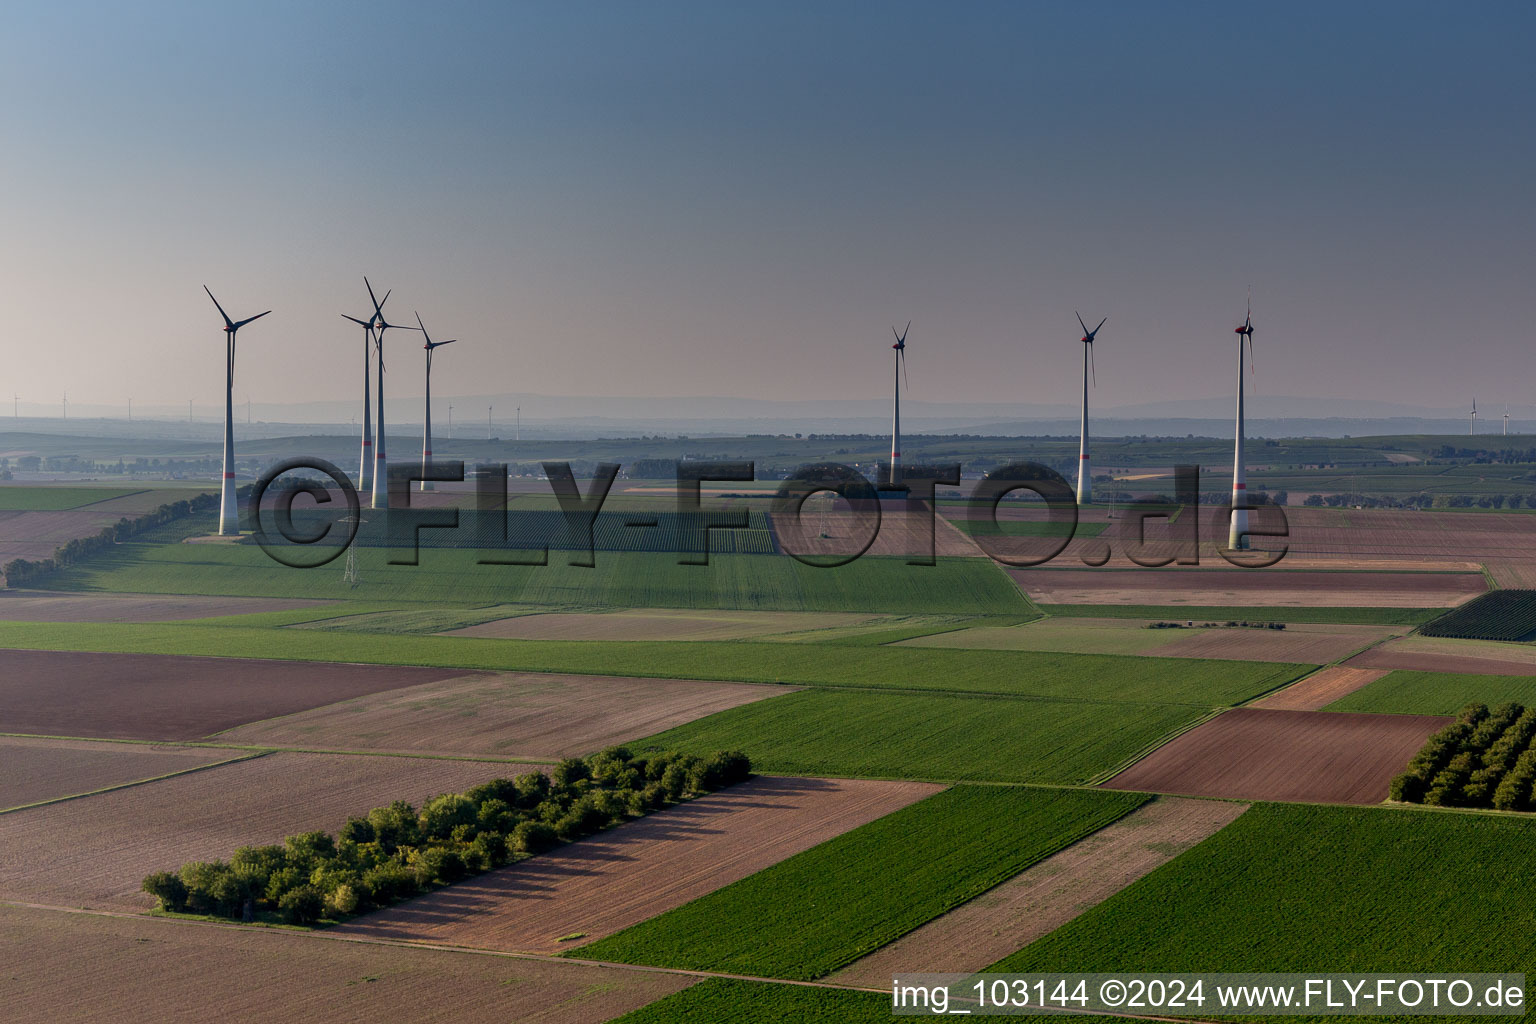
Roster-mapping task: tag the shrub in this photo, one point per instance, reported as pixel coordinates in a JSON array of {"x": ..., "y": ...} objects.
[
  {"x": 569, "y": 771},
  {"x": 532, "y": 837},
  {"x": 302, "y": 905},
  {"x": 443, "y": 814},
  {"x": 358, "y": 830},
  {"x": 395, "y": 826},
  {"x": 343, "y": 901},
  {"x": 387, "y": 882},
  {"x": 169, "y": 889},
  {"x": 531, "y": 789},
  {"x": 437, "y": 864},
  {"x": 496, "y": 815}
]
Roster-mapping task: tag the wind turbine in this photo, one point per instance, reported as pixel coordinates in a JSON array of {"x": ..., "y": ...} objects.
[
  {"x": 1506, "y": 419},
  {"x": 1084, "y": 473},
  {"x": 380, "y": 460},
  {"x": 365, "y": 464},
  {"x": 1237, "y": 539},
  {"x": 1473, "y": 429},
  {"x": 229, "y": 511},
  {"x": 901, "y": 374},
  {"x": 426, "y": 436}
]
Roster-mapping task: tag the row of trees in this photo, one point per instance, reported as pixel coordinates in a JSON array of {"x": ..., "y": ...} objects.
[
  {"x": 20, "y": 572},
  {"x": 394, "y": 853},
  {"x": 1483, "y": 759}
]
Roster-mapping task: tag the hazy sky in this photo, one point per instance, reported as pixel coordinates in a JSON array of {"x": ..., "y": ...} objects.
[{"x": 705, "y": 198}]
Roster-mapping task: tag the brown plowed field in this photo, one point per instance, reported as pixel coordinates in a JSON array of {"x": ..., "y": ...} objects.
[
  {"x": 168, "y": 697},
  {"x": 1306, "y": 756},
  {"x": 1320, "y": 689},
  {"x": 46, "y": 606},
  {"x": 632, "y": 873},
  {"x": 514, "y": 714},
  {"x": 1255, "y": 588},
  {"x": 657, "y": 624},
  {"x": 89, "y": 969},
  {"x": 1425, "y": 661},
  {"x": 33, "y": 770},
  {"x": 1316, "y": 646},
  {"x": 34, "y": 535},
  {"x": 1047, "y": 895},
  {"x": 94, "y": 852}
]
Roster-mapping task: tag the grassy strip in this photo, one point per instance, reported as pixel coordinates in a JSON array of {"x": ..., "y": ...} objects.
[
  {"x": 824, "y": 908},
  {"x": 1220, "y": 613},
  {"x": 21, "y": 498},
  {"x": 1406, "y": 692},
  {"x": 1290, "y": 887},
  {"x": 940, "y": 737},
  {"x": 728, "y": 1001},
  {"x": 1091, "y": 677}
]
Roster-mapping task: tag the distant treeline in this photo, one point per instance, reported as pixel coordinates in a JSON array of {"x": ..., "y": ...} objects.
[
  {"x": 394, "y": 853},
  {"x": 20, "y": 572}
]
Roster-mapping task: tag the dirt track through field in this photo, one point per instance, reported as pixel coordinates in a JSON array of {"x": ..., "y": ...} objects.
[
  {"x": 511, "y": 714},
  {"x": 95, "y": 851},
  {"x": 1305, "y": 756},
  {"x": 1046, "y": 896},
  {"x": 658, "y": 624},
  {"x": 169, "y": 697},
  {"x": 624, "y": 876},
  {"x": 1259, "y": 587},
  {"x": 90, "y": 969},
  {"x": 1320, "y": 689},
  {"x": 46, "y": 606},
  {"x": 33, "y": 770}
]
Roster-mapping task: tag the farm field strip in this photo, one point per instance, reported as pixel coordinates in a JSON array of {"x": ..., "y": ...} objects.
[
  {"x": 1290, "y": 887},
  {"x": 1304, "y": 756},
  {"x": 38, "y": 770},
  {"x": 824, "y": 908},
  {"x": 54, "y": 606},
  {"x": 933, "y": 736},
  {"x": 1436, "y": 654},
  {"x": 1320, "y": 689},
  {"x": 507, "y": 714},
  {"x": 1436, "y": 693},
  {"x": 1064, "y": 676},
  {"x": 1047, "y": 895},
  {"x": 95, "y": 968},
  {"x": 615, "y": 879},
  {"x": 1221, "y": 613},
  {"x": 22, "y": 498},
  {"x": 94, "y": 851},
  {"x": 658, "y": 624},
  {"x": 164, "y": 697},
  {"x": 1261, "y": 588},
  {"x": 1289, "y": 645}
]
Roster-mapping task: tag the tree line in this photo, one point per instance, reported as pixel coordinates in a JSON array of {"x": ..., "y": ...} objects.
[
  {"x": 396, "y": 852},
  {"x": 1483, "y": 759}
]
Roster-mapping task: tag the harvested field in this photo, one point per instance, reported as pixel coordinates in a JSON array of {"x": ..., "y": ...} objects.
[
  {"x": 168, "y": 697},
  {"x": 1320, "y": 689},
  {"x": 1434, "y": 654},
  {"x": 88, "y": 968},
  {"x": 1308, "y": 643},
  {"x": 1310, "y": 756},
  {"x": 94, "y": 852},
  {"x": 658, "y": 624},
  {"x": 610, "y": 881},
  {"x": 513, "y": 714},
  {"x": 1046, "y": 896},
  {"x": 35, "y": 535},
  {"x": 1263, "y": 588},
  {"x": 36, "y": 770},
  {"x": 47, "y": 606}
]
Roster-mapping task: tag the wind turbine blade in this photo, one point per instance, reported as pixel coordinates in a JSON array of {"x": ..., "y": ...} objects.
[
  {"x": 360, "y": 323},
  {"x": 227, "y": 321},
  {"x": 377, "y": 310},
  {"x": 1101, "y": 324},
  {"x": 248, "y": 319},
  {"x": 423, "y": 327},
  {"x": 1093, "y": 369},
  {"x": 904, "y": 379},
  {"x": 1080, "y": 322}
]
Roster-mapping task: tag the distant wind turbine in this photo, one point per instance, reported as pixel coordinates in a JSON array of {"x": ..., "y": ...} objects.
[
  {"x": 380, "y": 460},
  {"x": 1473, "y": 429},
  {"x": 229, "y": 511},
  {"x": 1237, "y": 538},
  {"x": 901, "y": 376},
  {"x": 1084, "y": 473},
  {"x": 1506, "y": 419},
  {"x": 426, "y": 436},
  {"x": 365, "y": 463}
]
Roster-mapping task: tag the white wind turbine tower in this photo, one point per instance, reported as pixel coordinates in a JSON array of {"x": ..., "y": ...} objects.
[
  {"x": 1506, "y": 419},
  {"x": 1473, "y": 429},
  {"x": 380, "y": 460},
  {"x": 365, "y": 463},
  {"x": 426, "y": 435},
  {"x": 1237, "y": 538},
  {"x": 901, "y": 373},
  {"x": 1084, "y": 472},
  {"x": 229, "y": 510}
]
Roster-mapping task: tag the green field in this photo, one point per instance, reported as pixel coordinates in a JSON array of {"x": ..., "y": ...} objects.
[
  {"x": 824, "y": 908},
  {"x": 933, "y": 736},
  {"x": 1199, "y": 682},
  {"x": 620, "y": 579},
  {"x": 1305, "y": 889},
  {"x": 1406, "y": 692},
  {"x": 22, "y": 498},
  {"x": 728, "y": 1001},
  {"x": 1221, "y": 613}
]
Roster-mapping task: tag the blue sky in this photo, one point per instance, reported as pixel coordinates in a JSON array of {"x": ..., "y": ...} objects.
[{"x": 693, "y": 198}]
